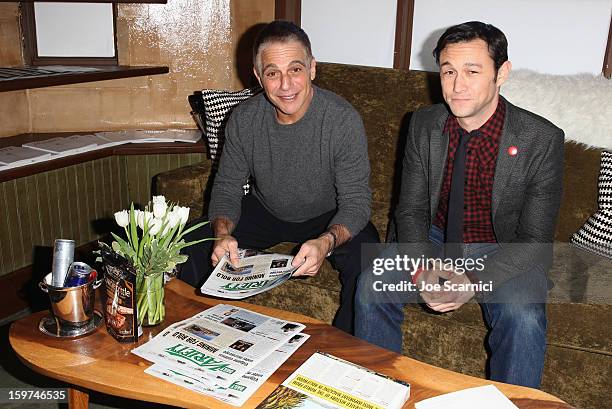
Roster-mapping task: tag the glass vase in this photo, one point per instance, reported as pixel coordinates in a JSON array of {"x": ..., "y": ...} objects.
[{"x": 150, "y": 299}]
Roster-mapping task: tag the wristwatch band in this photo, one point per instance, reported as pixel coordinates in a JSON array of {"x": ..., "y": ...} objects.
[{"x": 334, "y": 241}]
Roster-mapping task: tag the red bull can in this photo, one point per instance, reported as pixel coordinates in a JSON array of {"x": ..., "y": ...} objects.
[
  {"x": 63, "y": 256},
  {"x": 79, "y": 274}
]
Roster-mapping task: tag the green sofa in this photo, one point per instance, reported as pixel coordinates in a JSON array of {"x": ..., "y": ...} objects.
[{"x": 578, "y": 365}]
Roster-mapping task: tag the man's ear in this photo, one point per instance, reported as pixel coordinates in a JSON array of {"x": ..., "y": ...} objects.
[
  {"x": 257, "y": 76},
  {"x": 313, "y": 69},
  {"x": 503, "y": 72}
]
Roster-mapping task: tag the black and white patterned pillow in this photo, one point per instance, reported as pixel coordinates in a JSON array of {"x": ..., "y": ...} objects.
[
  {"x": 218, "y": 104},
  {"x": 211, "y": 109},
  {"x": 596, "y": 234}
]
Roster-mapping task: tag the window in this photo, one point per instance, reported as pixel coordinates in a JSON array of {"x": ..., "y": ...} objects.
[
  {"x": 542, "y": 35},
  {"x": 69, "y": 33}
]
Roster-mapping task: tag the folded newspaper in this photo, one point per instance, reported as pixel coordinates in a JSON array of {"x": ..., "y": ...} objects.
[
  {"x": 219, "y": 345},
  {"x": 241, "y": 390},
  {"x": 325, "y": 382},
  {"x": 256, "y": 273}
]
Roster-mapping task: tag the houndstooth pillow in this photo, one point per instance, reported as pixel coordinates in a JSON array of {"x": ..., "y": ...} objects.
[
  {"x": 596, "y": 234},
  {"x": 218, "y": 104},
  {"x": 211, "y": 110}
]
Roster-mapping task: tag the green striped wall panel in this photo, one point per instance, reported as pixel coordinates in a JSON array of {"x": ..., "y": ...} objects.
[
  {"x": 142, "y": 169},
  {"x": 64, "y": 203}
]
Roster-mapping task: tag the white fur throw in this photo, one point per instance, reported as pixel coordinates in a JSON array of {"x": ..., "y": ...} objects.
[{"x": 581, "y": 104}]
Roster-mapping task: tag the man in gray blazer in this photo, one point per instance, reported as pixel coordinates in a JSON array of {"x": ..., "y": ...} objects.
[{"x": 481, "y": 188}]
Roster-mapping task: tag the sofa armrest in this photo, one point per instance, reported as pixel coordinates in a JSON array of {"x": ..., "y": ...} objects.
[{"x": 185, "y": 185}]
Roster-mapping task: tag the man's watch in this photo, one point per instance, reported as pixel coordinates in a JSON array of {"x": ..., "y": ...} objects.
[{"x": 334, "y": 241}]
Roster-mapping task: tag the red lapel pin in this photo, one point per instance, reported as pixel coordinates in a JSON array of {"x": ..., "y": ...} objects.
[{"x": 512, "y": 151}]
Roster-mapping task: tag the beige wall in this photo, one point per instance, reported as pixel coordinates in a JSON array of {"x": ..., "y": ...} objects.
[
  {"x": 14, "y": 113},
  {"x": 196, "y": 39}
]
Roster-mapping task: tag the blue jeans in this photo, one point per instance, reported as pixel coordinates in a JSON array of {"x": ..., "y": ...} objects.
[{"x": 517, "y": 330}]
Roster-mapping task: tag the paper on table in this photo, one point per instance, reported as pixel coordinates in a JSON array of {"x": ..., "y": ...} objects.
[
  {"x": 482, "y": 397},
  {"x": 64, "y": 145},
  {"x": 120, "y": 137},
  {"x": 152, "y": 135},
  {"x": 242, "y": 389},
  {"x": 20, "y": 155}
]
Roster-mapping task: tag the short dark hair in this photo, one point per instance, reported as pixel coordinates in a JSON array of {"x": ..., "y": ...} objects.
[
  {"x": 473, "y": 30},
  {"x": 280, "y": 31}
]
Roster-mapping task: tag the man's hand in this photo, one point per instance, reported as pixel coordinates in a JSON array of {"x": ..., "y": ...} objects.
[
  {"x": 447, "y": 300},
  {"x": 426, "y": 281},
  {"x": 225, "y": 245},
  {"x": 311, "y": 256}
]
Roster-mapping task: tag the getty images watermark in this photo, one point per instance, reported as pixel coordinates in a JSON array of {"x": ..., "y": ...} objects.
[
  {"x": 494, "y": 272},
  {"x": 411, "y": 269}
]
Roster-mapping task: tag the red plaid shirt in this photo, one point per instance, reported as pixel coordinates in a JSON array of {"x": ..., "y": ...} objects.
[{"x": 481, "y": 157}]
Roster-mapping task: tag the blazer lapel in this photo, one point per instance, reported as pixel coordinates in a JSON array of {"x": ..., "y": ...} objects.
[
  {"x": 505, "y": 161},
  {"x": 438, "y": 150}
]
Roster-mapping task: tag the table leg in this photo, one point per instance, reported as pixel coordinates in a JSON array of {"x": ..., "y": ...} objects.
[{"x": 78, "y": 399}]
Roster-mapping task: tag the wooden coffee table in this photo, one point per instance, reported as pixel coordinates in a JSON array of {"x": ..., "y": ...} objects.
[{"x": 99, "y": 363}]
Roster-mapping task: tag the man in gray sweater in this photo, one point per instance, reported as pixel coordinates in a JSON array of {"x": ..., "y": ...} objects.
[{"x": 305, "y": 150}]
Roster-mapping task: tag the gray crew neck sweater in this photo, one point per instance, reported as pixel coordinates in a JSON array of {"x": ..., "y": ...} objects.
[{"x": 301, "y": 170}]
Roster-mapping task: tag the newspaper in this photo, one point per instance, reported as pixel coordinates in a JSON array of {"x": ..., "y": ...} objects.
[
  {"x": 324, "y": 381},
  {"x": 15, "y": 156},
  {"x": 151, "y": 135},
  {"x": 256, "y": 273},
  {"x": 242, "y": 389},
  {"x": 63, "y": 145},
  {"x": 220, "y": 344}
]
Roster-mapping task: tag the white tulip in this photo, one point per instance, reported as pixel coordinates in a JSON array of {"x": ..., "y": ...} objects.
[
  {"x": 166, "y": 229},
  {"x": 154, "y": 226},
  {"x": 159, "y": 206},
  {"x": 174, "y": 218},
  {"x": 142, "y": 217},
  {"x": 122, "y": 218},
  {"x": 139, "y": 216},
  {"x": 183, "y": 213}
]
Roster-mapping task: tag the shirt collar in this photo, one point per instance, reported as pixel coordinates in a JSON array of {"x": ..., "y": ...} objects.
[{"x": 491, "y": 129}]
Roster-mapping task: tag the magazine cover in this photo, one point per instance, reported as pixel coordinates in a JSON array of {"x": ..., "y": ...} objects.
[{"x": 327, "y": 382}]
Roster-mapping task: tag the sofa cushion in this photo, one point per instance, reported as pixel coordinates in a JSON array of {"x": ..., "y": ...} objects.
[
  {"x": 218, "y": 104},
  {"x": 186, "y": 186},
  {"x": 596, "y": 234}
]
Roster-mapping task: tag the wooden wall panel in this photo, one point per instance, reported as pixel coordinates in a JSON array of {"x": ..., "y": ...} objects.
[
  {"x": 74, "y": 202},
  {"x": 6, "y": 243},
  {"x": 71, "y": 211},
  {"x": 41, "y": 194},
  {"x": 12, "y": 214},
  {"x": 26, "y": 219}
]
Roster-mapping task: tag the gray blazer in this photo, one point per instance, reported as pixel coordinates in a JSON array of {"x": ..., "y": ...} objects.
[{"x": 527, "y": 187}]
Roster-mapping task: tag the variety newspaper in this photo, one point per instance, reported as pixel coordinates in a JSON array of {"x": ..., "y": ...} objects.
[
  {"x": 219, "y": 345},
  {"x": 241, "y": 390},
  {"x": 324, "y": 381},
  {"x": 257, "y": 272}
]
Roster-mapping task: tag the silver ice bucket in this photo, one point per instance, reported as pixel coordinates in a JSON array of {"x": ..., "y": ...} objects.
[{"x": 71, "y": 306}]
